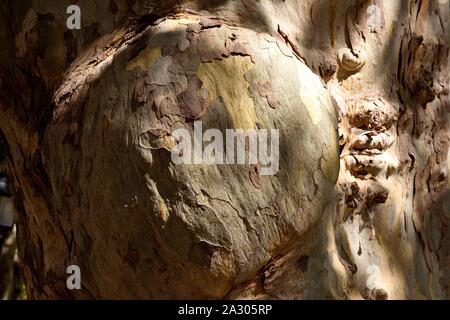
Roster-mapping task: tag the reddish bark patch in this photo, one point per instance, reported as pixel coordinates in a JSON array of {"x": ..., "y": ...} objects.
[{"x": 191, "y": 103}]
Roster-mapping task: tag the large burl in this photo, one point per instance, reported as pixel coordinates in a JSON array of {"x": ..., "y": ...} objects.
[{"x": 115, "y": 204}]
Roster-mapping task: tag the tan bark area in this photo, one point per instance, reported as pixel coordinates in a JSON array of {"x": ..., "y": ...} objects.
[{"x": 88, "y": 115}]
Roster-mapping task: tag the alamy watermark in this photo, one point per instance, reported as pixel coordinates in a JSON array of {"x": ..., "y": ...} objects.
[
  {"x": 74, "y": 280},
  {"x": 238, "y": 146},
  {"x": 74, "y": 20}
]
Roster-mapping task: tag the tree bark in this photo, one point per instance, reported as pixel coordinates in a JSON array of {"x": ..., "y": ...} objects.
[{"x": 359, "y": 208}]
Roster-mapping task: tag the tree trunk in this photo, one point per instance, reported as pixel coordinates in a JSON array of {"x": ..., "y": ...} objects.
[{"x": 359, "y": 91}]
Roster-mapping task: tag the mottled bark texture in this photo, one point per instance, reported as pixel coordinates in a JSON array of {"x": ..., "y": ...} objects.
[{"x": 88, "y": 114}]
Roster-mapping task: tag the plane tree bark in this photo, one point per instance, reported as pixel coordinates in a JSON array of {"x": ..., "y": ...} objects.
[{"x": 358, "y": 89}]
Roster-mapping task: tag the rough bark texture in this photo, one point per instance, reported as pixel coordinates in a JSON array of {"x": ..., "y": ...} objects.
[{"x": 87, "y": 117}]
